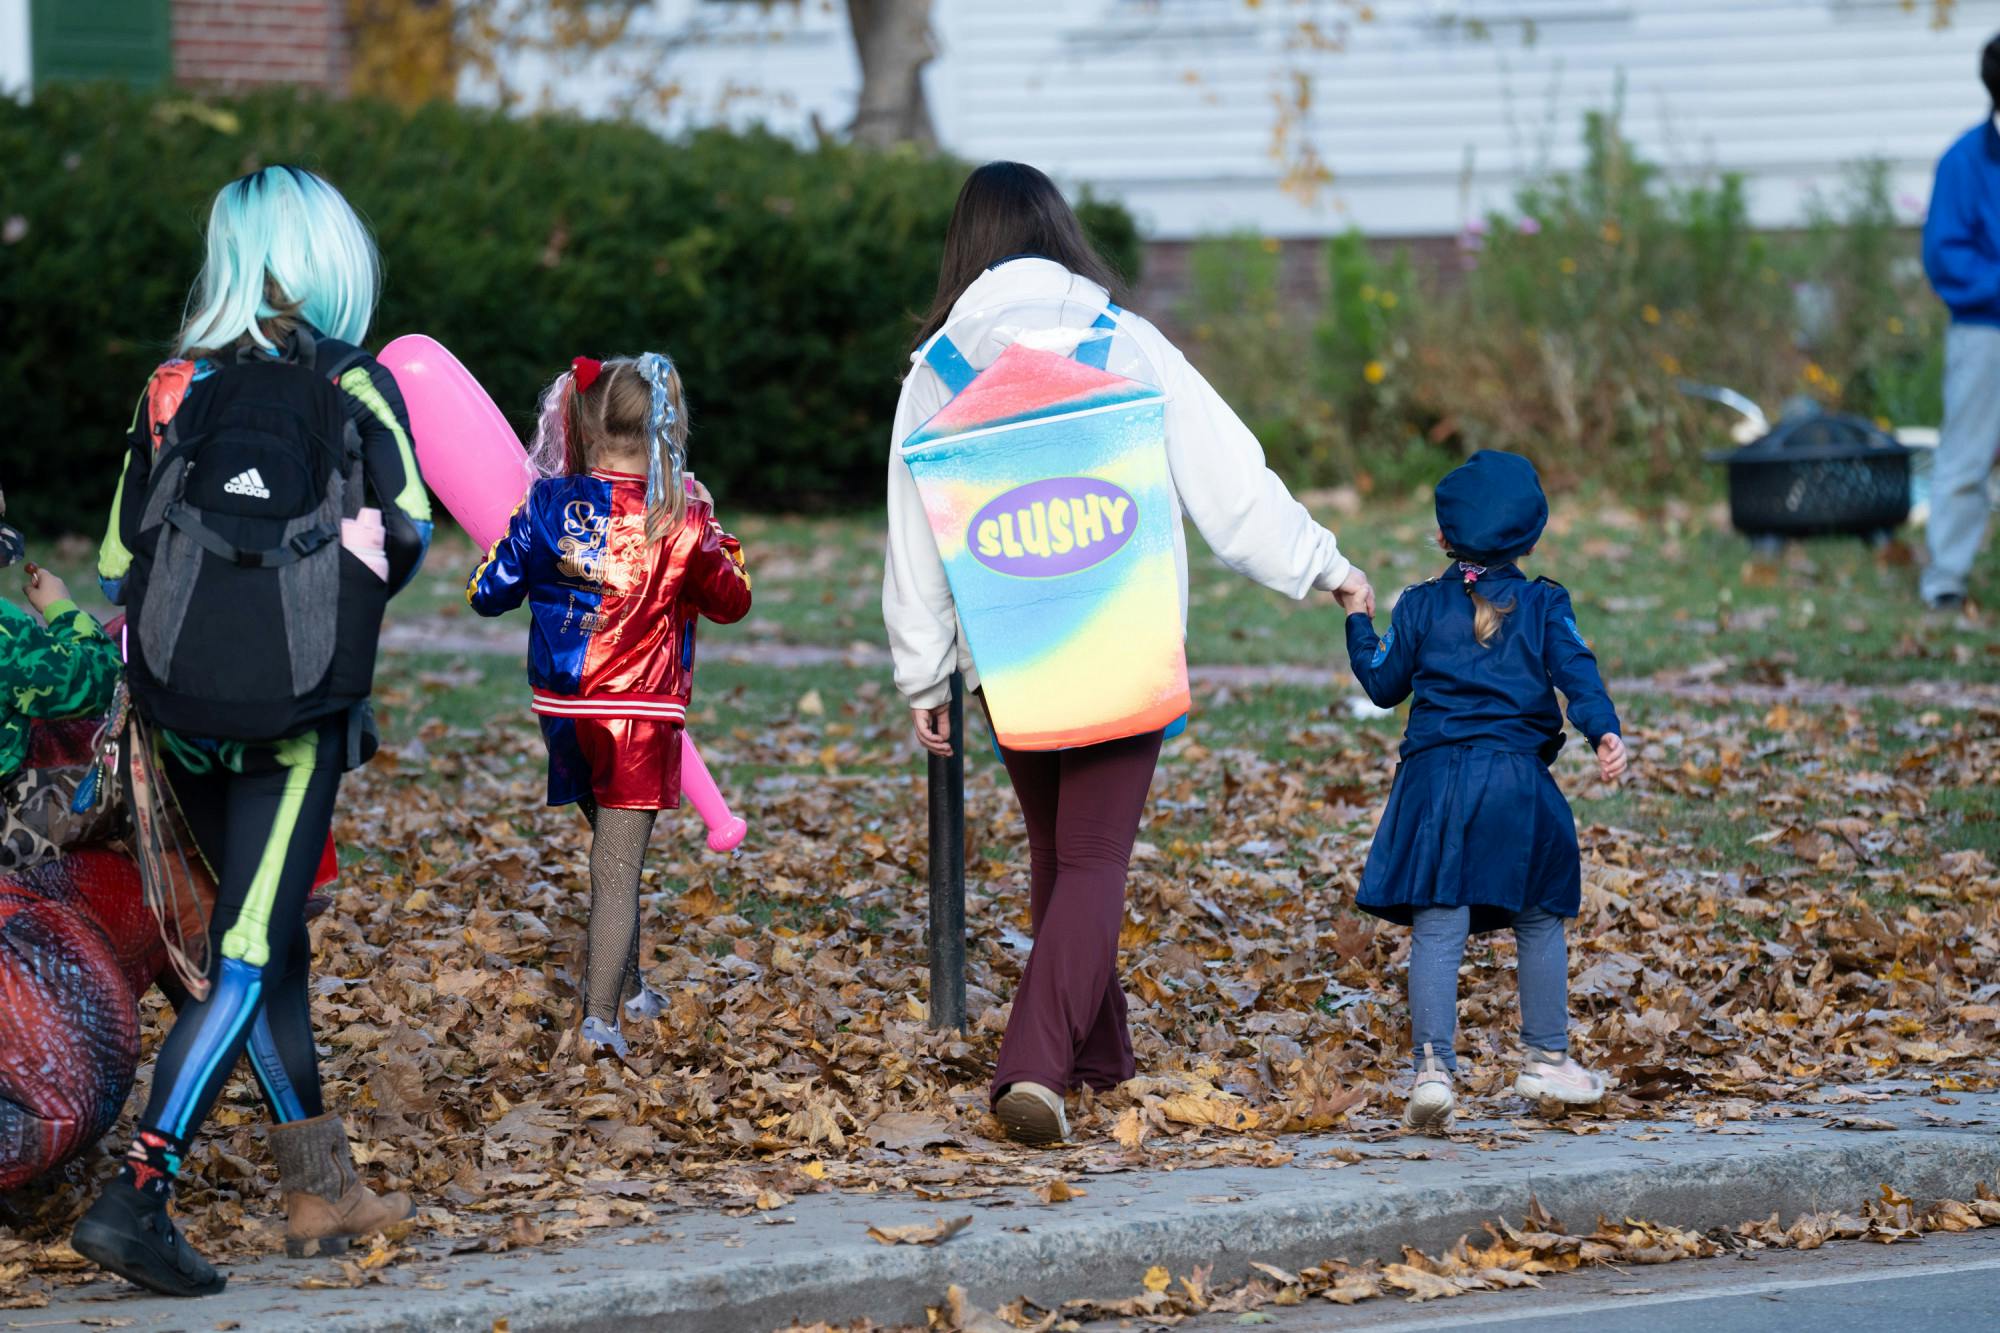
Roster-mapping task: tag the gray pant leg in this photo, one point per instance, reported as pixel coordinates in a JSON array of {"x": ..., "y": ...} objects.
[
  {"x": 1541, "y": 972},
  {"x": 1437, "y": 948},
  {"x": 1966, "y": 447}
]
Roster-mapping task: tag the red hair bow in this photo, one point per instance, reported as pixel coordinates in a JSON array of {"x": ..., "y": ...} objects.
[{"x": 585, "y": 369}]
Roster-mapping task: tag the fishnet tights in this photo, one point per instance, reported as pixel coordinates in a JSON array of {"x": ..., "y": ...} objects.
[{"x": 618, "y": 841}]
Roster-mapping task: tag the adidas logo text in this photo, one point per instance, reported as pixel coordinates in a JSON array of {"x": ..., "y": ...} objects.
[{"x": 249, "y": 483}]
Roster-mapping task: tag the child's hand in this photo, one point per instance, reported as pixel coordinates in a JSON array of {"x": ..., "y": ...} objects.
[
  {"x": 44, "y": 588},
  {"x": 1611, "y": 758},
  {"x": 697, "y": 491},
  {"x": 1356, "y": 594}
]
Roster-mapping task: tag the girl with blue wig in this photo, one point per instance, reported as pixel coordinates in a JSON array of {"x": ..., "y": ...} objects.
[
  {"x": 270, "y": 419},
  {"x": 617, "y": 553},
  {"x": 1476, "y": 835}
]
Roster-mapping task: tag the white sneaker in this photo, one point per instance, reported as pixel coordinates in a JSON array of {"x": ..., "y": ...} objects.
[
  {"x": 1431, "y": 1101},
  {"x": 1555, "y": 1076},
  {"x": 1032, "y": 1114}
]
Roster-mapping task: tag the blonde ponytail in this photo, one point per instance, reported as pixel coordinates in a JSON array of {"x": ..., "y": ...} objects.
[{"x": 1486, "y": 618}]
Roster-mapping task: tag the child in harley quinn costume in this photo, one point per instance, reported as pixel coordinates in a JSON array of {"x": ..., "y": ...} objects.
[
  {"x": 1476, "y": 835},
  {"x": 615, "y": 556}
]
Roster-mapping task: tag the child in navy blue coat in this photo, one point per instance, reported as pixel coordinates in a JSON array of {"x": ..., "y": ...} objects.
[{"x": 1476, "y": 835}]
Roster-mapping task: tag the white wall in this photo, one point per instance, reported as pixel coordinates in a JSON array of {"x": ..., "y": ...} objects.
[
  {"x": 16, "y": 63},
  {"x": 1168, "y": 104}
]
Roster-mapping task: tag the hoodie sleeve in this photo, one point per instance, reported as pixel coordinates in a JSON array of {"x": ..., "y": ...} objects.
[
  {"x": 391, "y": 464},
  {"x": 1242, "y": 508},
  {"x": 1958, "y": 254},
  {"x": 69, "y": 668},
  {"x": 917, "y": 607},
  {"x": 1573, "y": 668},
  {"x": 114, "y": 553}
]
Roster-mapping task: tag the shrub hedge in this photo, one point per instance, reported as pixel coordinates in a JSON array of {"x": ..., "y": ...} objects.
[{"x": 783, "y": 279}]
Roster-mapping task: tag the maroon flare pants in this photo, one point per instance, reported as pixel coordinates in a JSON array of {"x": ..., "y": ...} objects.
[{"x": 1082, "y": 808}]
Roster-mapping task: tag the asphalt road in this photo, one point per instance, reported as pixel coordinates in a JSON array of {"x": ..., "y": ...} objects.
[{"x": 1943, "y": 1284}]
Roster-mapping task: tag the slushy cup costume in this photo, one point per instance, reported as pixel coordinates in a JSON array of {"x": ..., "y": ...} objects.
[{"x": 1083, "y": 804}]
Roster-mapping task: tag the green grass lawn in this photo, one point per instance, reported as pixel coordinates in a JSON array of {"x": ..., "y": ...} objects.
[{"x": 1673, "y": 591}]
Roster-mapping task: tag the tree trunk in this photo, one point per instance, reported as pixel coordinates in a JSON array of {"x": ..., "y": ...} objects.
[{"x": 893, "y": 39}]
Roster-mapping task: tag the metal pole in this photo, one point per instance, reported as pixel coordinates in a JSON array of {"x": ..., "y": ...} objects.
[{"x": 947, "y": 923}]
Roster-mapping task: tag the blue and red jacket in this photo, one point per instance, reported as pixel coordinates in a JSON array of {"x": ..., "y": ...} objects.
[{"x": 613, "y": 618}]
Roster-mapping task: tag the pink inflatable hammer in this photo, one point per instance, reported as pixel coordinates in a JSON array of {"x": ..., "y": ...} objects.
[{"x": 725, "y": 830}]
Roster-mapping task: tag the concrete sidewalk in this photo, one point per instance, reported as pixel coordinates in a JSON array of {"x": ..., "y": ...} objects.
[{"x": 814, "y": 1259}]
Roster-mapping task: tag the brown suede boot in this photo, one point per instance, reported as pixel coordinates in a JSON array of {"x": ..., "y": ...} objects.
[{"x": 326, "y": 1205}]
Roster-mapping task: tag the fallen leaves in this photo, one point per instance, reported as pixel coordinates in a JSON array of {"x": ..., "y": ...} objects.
[
  {"x": 920, "y": 1233},
  {"x": 1512, "y": 1257}
]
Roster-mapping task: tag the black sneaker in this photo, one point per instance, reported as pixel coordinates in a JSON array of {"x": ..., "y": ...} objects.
[
  {"x": 1953, "y": 602},
  {"x": 128, "y": 1232}
]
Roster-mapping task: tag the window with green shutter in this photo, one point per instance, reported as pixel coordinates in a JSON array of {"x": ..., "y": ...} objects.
[{"x": 129, "y": 40}]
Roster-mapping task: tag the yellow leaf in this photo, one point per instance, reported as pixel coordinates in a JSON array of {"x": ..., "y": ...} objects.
[
  {"x": 814, "y": 1170},
  {"x": 920, "y": 1233},
  {"x": 1189, "y": 1109},
  {"x": 1130, "y": 1128},
  {"x": 1157, "y": 1278}
]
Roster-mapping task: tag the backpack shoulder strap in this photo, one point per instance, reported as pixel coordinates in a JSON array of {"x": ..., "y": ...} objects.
[
  {"x": 165, "y": 393},
  {"x": 334, "y": 359},
  {"x": 950, "y": 364},
  {"x": 1095, "y": 351}
]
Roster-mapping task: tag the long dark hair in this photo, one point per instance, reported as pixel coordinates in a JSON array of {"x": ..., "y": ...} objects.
[{"x": 1006, "y": 209}]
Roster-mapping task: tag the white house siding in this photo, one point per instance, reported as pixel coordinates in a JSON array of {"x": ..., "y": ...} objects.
[
  {"x": 16, "y": 70},
  {"x": 1169, "y": 104}
]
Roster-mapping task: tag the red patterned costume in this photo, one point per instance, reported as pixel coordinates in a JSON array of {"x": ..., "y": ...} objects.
[{"x": 611, "y": 649}]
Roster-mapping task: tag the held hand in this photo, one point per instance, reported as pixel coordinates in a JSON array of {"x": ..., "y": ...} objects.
[
  {"x": 699, "y": 492},
  {"x": 934, "y": 728},
  {"x": 1611, "y": 758},
  {"x": 1355, "y": 593},
  {"x": 44, "y": 589}
]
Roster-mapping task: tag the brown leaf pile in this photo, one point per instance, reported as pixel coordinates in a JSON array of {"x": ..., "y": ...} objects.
[{"x": 794, "y": 1056}]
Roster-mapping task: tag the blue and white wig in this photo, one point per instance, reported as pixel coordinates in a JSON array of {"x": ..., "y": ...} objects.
[{"x": 282, "y": 243}]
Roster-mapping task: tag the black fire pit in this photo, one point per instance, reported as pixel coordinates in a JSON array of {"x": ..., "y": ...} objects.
[{"x": 1818, "y": 474}]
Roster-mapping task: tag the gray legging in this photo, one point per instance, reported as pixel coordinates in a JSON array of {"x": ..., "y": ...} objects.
[
  {"x": 1437, "y": 948},
  {"x": 1960, "y": 505}
]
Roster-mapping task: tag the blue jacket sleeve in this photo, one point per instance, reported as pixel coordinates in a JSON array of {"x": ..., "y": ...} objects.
[
  {"x": 1958, "y": 254},
  {"x": 1384, "y": 666},
  {"x": 1573, "y": 668},
  {"x": 500, "y": 583}
]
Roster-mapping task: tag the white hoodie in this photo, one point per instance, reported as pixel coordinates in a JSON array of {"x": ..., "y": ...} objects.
[{"x": 1218, "y": 475}]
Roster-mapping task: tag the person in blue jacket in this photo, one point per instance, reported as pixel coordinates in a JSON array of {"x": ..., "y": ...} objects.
[
  {"x": 1962, "y": 258},
  {"x": 1476, "y": 834}
]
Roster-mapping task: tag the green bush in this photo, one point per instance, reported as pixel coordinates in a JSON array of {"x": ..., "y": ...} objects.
[
  {"x": 782, "y": 279},
  {"x": 1567, "y": 326}
]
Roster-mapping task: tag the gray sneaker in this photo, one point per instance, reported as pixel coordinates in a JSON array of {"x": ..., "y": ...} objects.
[{"x": 1431, "y": 1101}]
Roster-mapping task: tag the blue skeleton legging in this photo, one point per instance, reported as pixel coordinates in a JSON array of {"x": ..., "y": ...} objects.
[{"x": 262, "y": 829}]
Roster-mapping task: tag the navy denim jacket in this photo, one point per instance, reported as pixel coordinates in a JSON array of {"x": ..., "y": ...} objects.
[{"x": 1499, "y": 697}]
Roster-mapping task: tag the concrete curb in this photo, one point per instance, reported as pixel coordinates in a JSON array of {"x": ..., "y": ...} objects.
[{"x": 723, "y": 1275}]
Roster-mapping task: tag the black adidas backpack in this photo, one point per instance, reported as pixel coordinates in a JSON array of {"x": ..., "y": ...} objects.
[{"x": 247, "y": 618}]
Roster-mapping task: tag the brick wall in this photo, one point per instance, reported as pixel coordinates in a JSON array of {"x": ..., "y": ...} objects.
[{"x": 239, "y": 43}]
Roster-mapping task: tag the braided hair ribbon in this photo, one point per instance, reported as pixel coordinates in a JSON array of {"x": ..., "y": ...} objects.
[{"x": 666, "y": 457}]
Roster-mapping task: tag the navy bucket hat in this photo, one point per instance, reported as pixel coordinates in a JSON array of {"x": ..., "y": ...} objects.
[{"x": 1491, "y": 507}]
